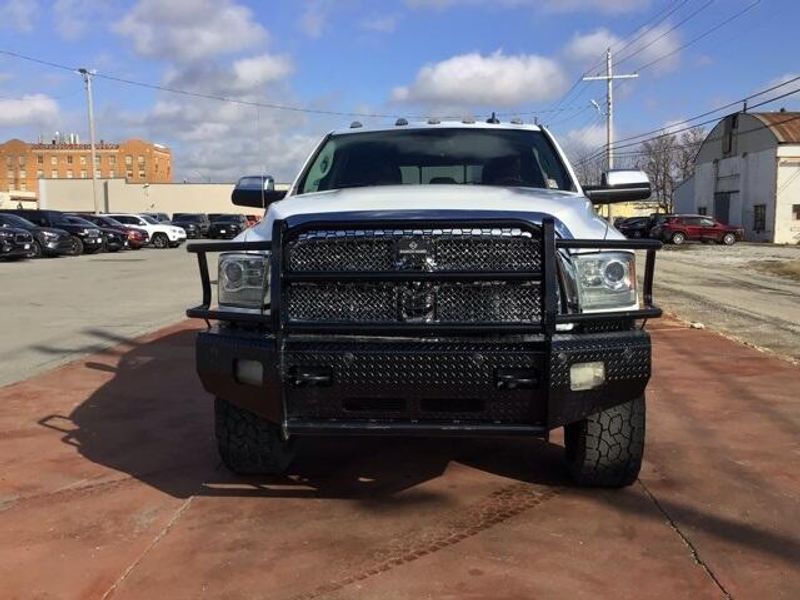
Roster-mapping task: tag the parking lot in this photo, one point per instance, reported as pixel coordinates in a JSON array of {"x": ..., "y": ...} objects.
[{"x": 110, "y": 485}]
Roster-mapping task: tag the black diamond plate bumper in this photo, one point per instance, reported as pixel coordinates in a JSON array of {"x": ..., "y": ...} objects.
[{"x": 327, "y": 384}]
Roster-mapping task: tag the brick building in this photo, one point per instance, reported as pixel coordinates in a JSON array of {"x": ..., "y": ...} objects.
[{"x": 22, "y": 164}]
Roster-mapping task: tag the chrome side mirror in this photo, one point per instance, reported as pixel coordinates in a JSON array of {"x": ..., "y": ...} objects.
[
  {"x": 620, "y": 185},
  {"x": 256, "y": 191}
]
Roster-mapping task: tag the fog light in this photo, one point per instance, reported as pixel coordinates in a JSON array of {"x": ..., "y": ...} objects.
[
  {"x": 250, "y": 372},
  {"x": 586, "y": 376}
]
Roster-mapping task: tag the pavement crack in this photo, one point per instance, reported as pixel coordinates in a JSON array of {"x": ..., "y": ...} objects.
[
  {"x": 498, "y": 507},
  {"x": 159, "y": 536},
  {"x": 687, "y": 542}
]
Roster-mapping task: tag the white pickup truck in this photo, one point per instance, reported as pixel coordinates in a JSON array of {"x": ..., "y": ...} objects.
[{"x": 431, "y": 279}]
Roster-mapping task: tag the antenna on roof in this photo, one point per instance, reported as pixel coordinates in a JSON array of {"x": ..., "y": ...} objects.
[{"x": 493, "y": 119}]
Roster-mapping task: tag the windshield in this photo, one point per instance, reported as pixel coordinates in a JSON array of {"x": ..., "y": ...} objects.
[
  {"x": 79, "y": 221},
  {"x": 109, "y": 222},
  {"x": 187, "y": 219},
  {"x": 150, "y": 220},
  {"x": 15, "y": 221},
  {"x": 437, "y": 156},
  {"x": 227, "y": 219}
]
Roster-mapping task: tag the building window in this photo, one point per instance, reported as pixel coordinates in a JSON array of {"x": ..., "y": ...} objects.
[
  {"x": 54, "y": 174},
  {"x": 54, "y": 160},
  {"x": 702, "y": 210},
  {"x": 39, "y": 174},
  {"x": 83, "y": 160},
  {"x": 70, "y": 174},
  {"x": 141, "y": 175},
  {"x": 796, "y": 212},
  {"x": 96, "y": 160},
  {"x": 23, "y": 173},
  {"x": 83, "y": 174},
  {"x": 10, "y": 175},
  {"x": 128, "y": 159},
  {"x": 112, "y": 161},
  {"x": 9, "y": 161},
  {"x": 111, "y": 174},
  {"x": 21, "y": 161},
  {"x": 140, "y": 159},
  {"x": 40, "y": 159},
  {"x": 759, "y": 218},
  {"x": 97, "y": 173},
  {"x": 129, "y": 174},
  {"x": 70, "y": 158},
  {"x": 23, "y": 186}
]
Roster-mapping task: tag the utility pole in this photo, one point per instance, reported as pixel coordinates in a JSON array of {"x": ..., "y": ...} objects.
[
  {"x": 87, "y": 80},
  {"x": 609, "y": 78}
]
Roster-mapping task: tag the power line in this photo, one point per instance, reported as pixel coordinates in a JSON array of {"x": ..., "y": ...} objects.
[
  {"x": 665, "y": 33},
  {"x": 703, "y": 35}
]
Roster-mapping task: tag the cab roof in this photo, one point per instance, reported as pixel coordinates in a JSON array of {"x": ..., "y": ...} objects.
[{"x": 402, "y": 124}]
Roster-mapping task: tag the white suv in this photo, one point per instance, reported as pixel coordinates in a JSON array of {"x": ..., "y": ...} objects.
[{"x": 161, "y": 235}]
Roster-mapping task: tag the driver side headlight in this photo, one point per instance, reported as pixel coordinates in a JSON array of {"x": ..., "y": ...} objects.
[
  {"x": 606, "y": 280},
  {"x": 243, "y": 280}
]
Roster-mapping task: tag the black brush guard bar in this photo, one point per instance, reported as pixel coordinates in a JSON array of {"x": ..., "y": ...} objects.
[{"x": 276, "y": 320}]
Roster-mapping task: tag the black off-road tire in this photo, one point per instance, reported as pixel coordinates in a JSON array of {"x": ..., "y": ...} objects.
[
  {"x": 248, "y": 444},
  {"x": 606, "y": 449},
  {"x": 160, "y": 241}
]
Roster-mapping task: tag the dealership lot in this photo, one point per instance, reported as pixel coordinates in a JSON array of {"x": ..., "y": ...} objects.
[{"x": 126, "y": 477}]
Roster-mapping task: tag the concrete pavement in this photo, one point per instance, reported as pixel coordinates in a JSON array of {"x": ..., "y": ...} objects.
[{"x": 110, "y": 488}]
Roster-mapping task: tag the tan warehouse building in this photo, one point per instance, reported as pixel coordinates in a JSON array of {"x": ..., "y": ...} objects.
[{"x": 23, "y": 164}]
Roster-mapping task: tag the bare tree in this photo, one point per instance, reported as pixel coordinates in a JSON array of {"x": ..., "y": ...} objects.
[{"x": 668, "y": 160}]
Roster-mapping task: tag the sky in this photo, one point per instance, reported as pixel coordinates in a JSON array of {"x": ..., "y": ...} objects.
[{"x": 380, "y": 59}]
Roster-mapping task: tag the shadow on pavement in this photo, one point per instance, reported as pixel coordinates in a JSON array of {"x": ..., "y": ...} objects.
[{"x": 153, "y": 421}]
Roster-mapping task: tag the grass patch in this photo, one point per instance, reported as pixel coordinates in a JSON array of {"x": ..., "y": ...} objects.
[{"x": 783, "y": 268}]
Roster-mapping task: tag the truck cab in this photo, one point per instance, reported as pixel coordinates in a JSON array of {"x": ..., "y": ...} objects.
[{"x": 431, "y": 279}]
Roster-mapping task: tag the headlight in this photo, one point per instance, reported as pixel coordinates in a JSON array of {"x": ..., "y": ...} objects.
[
  {"x": 606, "y": 280},
  {"x": 243, "y": 280},
  {"x": 6, "y": 234},
  {"x": 50, "y": 235}
]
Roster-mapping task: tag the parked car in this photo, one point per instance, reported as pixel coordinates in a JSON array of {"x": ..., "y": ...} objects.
[
  {"x": 135, "y": 236},
  {"x": 195, "y": 224},
  {"x": 679, "y": 229},
  {"x": 159, "y": 216},
  {"x": 161, "y": 236},
  {"x": 635, "y": 227},
  {"x": 15, "y": 243},
  {"x": 85, "y": 239},
  {"x": 378, "y": 299},
  {"x": 113, "y": 239},
  {"x": 227, "y": 226},
  {"x": 47, "y": 241},
  {"x": 252, "y": 219}
]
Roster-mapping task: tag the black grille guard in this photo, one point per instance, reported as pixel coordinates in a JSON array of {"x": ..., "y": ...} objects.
[{"x": 275, "y": 319}]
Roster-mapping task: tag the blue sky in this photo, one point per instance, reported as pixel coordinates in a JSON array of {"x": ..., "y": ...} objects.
[{"x": 394, "y": 57}]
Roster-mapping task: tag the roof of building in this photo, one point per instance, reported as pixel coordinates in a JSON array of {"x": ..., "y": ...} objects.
[{"x": 784, "y": 125}]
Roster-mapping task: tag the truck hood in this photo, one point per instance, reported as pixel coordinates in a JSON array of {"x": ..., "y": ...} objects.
[{"x": 574, "y": 214}]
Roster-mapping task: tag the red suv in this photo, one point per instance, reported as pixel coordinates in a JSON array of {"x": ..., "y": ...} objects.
[{"x": 700, "y": 228}]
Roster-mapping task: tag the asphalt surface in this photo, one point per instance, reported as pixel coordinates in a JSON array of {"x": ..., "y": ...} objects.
[
  {"x": 110, "y": 488},
  {"x": 58, "y": 308},
  {"x": 723, "y": 288}
]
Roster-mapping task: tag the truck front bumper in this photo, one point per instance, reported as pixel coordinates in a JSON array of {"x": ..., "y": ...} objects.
[{"x": 369, "y": 385}]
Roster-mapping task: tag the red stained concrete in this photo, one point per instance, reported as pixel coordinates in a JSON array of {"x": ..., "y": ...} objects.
[{"x": 110, "y": 487}]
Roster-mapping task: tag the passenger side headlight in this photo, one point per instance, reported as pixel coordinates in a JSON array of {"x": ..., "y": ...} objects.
[
  {"x": 243, "y": 280},
  {"x": 606, "y": 280}
]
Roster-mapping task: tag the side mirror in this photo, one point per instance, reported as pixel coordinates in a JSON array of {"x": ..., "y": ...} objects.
[
  {"x": 257, "y": 191},
  {"x": 619, "y": 185}
]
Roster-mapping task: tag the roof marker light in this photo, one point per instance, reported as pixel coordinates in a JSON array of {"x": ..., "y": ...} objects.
[
  {"x": 355, "y": 125},
  {"x": 400, "y": 122},
  {"x": 433, "y": 121},
  {"x": 468, "y": 120},
  {"x": 516, "y": 121}
]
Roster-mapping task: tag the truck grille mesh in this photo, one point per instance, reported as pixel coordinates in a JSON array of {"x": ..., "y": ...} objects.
[{"x": 496, "y": 250}]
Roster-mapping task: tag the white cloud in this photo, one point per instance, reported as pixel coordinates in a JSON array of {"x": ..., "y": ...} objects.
[
  {"x": 18, "y": 14},
  {"x": 188, "y": 30},
  {"x": 258, "y": 70},
  {"x": 385, "y": 24},
  {"x": 494, "y": 80},
  {"x": 314, "y": 18},
  {"x": 650, "y": 44},
  {"x": 72, "y": 18},
  {"x": 604, "y": 6},
  {"x": 32, "y": 109}
]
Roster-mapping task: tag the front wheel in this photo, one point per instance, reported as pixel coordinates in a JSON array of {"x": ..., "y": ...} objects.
[
  {"x": 36, "y": 250},
  {"x": 248, "y": 444},
  {"x": 729, "y": 239},
  {"x": 160, "y": 241},
  {"x": 606, "y": 449},
  {"x": 76, "y": 246},
  {"x": 678, "y": 238}
]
